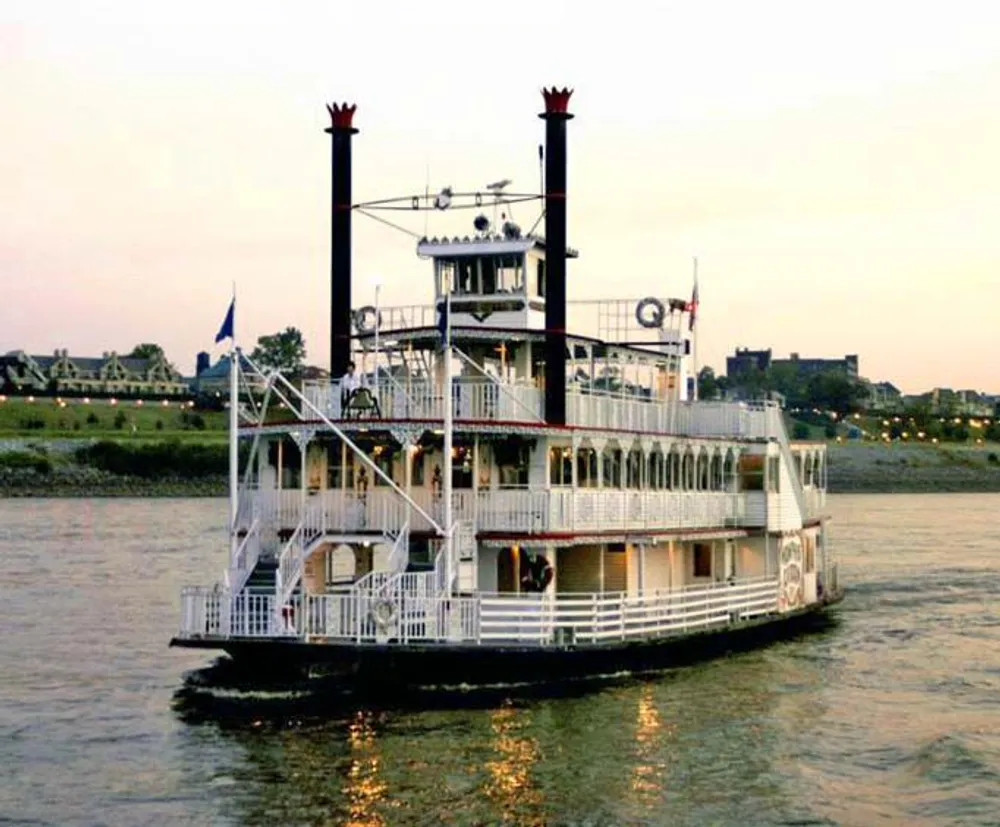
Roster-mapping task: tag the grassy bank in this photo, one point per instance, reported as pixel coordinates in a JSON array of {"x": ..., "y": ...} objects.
[
  {"x": 901, "y": 468},
  {"x": 47, "y": 418}
]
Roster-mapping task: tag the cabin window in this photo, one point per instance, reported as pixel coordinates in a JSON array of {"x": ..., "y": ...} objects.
[
  {"x": 687, "y": 472},
  {"x": 488, "y": 271},
  {"x": 417, "y": 468},
  {"x": 774, "y": 474},
  {"x": 512, "y": 463},
  {"x": 633, "y": 469},
  {"x": 612, "y": 471},
  {"x": 461, "y": 467},
  {"x": 510, "y": 274},
  {"x": 468, "y": 275},
  {"x": 672, "y": 471},
  {"x": 340, "y": 466},
  {"x": 560, "y": 465},
  {"x": 446, "y": 276},
  {"x": 751, "y": 472},
  {"x": 291, "y": 465},
  {"x": 540, "y": 278},
  {"x": 654, "y": 472},
  {"x": 703, "y": 472},
  {"x": 716, "y": 473},
  {"x": 702, "y": 556},
  {"x": 383, "y": 459},
  {"x": 586, "y": 468}
]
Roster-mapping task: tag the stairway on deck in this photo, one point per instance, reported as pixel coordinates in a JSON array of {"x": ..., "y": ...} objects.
[{"x": 263, "y": 577}]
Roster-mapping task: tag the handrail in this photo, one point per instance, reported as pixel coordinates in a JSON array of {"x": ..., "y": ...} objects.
[
  {"x": 468, "y": 360},
  {"x": 248, "y": 549},
  {"x": 289, "y": 568},
  {"x": 400, "y": 553}
]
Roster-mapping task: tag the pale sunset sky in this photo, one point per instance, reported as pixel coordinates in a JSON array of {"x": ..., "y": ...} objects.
[{"x": 835, "y": 167}]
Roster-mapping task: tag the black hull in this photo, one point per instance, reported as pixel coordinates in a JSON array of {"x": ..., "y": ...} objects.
[{"x": 391, "y": 667}]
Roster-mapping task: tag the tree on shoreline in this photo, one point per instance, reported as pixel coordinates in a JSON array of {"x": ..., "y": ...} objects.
[
  {"x": 147, "y": 350},
  {"x": 284, "y": 351}
]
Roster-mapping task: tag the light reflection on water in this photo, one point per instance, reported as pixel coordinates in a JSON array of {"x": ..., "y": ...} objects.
[
  {"x": 363, "y": 787},
  {"x": 510, "y": 785},
  {"x": 893, "y": 717}
]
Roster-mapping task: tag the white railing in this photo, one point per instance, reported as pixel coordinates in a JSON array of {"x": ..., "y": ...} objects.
[
  {"x": 478, "y": 399},
  {"x": 706, "y": 419},
  {"x": 245, "y": 558},
  {"x": 215, "y": 612},
  {"x": 593, "y": 618},
  {"x": 474, "y": 399},
  {"x": 526, "y": 510},
  {"x": 415, "y": 614}
]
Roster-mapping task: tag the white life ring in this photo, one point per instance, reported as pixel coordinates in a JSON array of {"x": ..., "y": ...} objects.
[
  {"x": 650, "y": 321},
  {"x": 365, "y": 318},
  {"x": 383, "y": 612}
]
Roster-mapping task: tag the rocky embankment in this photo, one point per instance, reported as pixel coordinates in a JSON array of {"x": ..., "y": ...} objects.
[
  {"x": 91, "y": 468},
  {"x": 76, "y": 481},
  {"x": 909, "y": 468}
]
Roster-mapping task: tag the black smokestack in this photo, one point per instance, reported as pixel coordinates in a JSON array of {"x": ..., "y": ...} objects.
[
  {"x": 341, "y": 131},
  {"x": 555, "y": 116}
]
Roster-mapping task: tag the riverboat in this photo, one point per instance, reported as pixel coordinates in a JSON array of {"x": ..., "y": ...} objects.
[{"x": 505, "y": 485}]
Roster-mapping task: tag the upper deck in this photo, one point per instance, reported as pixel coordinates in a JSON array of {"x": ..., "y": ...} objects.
[{"x": 482, "y": 405}]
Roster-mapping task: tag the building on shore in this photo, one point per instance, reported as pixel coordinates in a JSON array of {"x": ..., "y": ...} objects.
[
  {"x": 109, "y": 375},
  {"x": 745, "y": 361}
]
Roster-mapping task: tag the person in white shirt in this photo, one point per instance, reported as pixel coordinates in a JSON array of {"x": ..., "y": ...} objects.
[{"x": 348, "y": 384}]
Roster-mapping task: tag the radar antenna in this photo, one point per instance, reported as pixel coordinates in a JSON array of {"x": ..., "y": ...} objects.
[{"x": 497, "y": 188}]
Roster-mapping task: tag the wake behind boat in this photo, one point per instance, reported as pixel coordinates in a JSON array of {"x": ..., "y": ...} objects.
[{"x": 483, "y": 493}]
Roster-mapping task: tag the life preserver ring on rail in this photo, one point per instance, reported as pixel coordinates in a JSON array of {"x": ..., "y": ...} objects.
[
  {"x": 383, "y": 612},
  {"x": 650, "y": 320},
  {"x": 365, "y": 319}
]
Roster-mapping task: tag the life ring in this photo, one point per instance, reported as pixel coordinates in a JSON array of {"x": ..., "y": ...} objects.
[
  {"x": 365, "y": 318},
  {"x": 383, "y": 612},
  {"x": 656, "y": 319}
]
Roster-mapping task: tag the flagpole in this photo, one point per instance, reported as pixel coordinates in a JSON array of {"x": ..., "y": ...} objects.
[
  {"x": 234, "y": 395},
  {"x": 448, "y": 439},
  {"x": 694, "y": 331}
]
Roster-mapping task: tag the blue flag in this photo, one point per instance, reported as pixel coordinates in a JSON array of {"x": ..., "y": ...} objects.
[{"x": 226, "y": 331}]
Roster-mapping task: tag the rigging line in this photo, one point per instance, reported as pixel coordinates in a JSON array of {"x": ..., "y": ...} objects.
[
  {"x": 538, "y": 221},
  {"x": 388, "y": 223}
]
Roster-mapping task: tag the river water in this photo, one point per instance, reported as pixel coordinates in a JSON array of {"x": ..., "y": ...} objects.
[{"x": 890, "y": 717}]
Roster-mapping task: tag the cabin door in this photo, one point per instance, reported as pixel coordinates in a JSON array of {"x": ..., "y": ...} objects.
[{"x": 506, "y": 576}]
